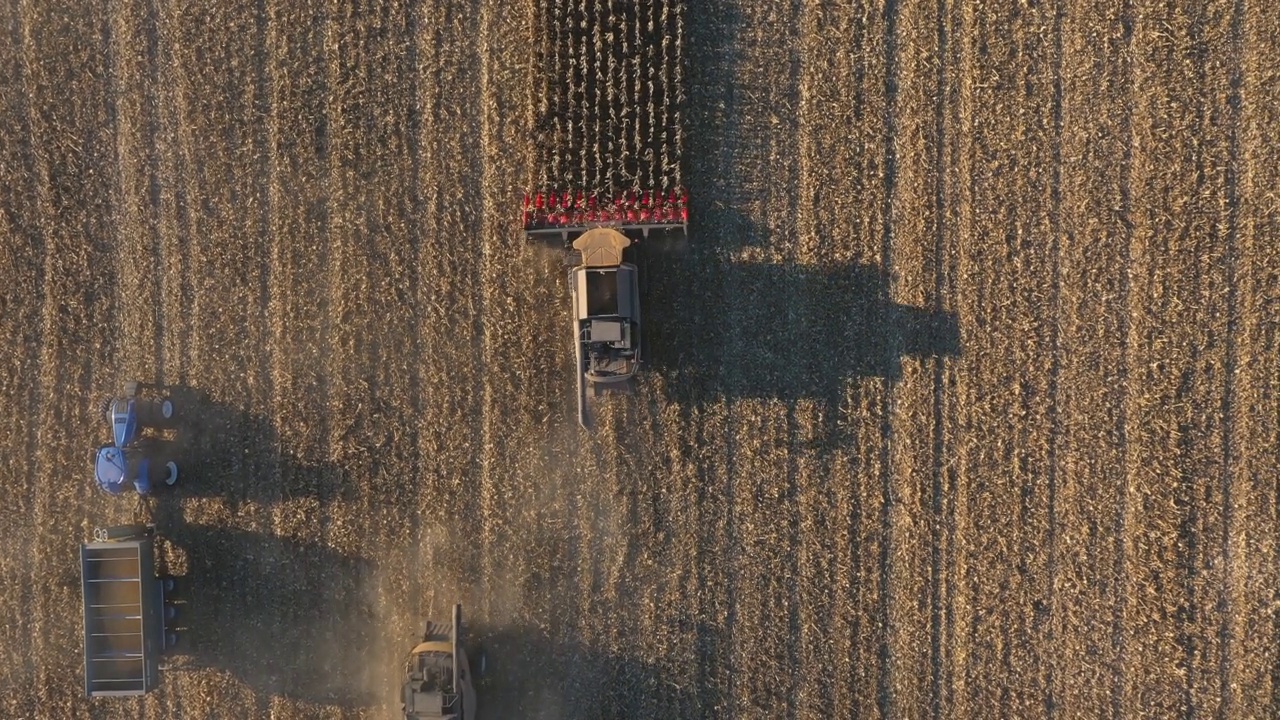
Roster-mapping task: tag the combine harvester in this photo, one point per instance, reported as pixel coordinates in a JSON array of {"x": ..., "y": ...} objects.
[
  {"x": 439, "y": 683},
  {"x": 609, "y": 164}
]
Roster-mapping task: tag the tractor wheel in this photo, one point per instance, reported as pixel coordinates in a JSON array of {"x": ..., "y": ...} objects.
[
  {"x": 168, "y": 411},
  {"x": 172, "y": 476},
  {"x": 102, "y": 406}
]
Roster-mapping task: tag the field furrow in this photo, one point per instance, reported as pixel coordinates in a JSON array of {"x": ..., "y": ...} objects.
[
  {"x": 1178, "y": 360},
  {"x": 1007, "y": 287},
  {"x": 1250, "y": 551},
  {"x": 1096, "y": 229}
]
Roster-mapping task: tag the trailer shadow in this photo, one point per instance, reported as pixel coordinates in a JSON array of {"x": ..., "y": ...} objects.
[
  {"x": 535, "y": 676},
  {"x": 285, "y": 617}
]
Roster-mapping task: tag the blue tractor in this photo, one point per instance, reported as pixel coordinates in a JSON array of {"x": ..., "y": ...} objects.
[{"x": 139, "y": 453}]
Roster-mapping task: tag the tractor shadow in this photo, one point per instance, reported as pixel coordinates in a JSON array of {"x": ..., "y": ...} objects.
[
  {"x": 532, "y": 675},
  {"x": 285, "y": 617},
  {"x": 716, "y": 327},
  {"x": 228, "y": 452}
]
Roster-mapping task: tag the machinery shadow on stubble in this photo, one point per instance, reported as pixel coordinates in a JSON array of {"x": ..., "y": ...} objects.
[
  {"x": 285, "y": 615},
  {"x": 721, "y": 328}
]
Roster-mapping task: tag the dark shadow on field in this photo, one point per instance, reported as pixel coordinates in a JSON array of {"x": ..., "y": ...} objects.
[
  {"x": 285, "y": 617},
  {"x": 721, "y": 328},
  {"x": 534, "y": 676},
  {"x": 229, "y": 452}
]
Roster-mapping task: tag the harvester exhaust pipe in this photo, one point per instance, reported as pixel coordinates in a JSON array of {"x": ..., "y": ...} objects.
[
  {"x": 457, "y": 629},
  {"x": 584, "y": 417}
]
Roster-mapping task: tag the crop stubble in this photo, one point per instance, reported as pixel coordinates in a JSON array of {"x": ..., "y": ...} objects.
[{"x": 308, "y": 212}]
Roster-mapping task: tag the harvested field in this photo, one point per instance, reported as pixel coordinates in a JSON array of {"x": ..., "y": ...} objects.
[{"x": 965, "y": 400}]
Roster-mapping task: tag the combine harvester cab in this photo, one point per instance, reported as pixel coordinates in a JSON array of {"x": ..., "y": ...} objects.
[
  {"x": 439, "y": 684},
  {"x": 609, "y": 157},
  {"x": 126, "y": 615}
]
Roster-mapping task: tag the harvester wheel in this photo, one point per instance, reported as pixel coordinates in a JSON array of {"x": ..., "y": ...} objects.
[{"x": 172, "y": 476}]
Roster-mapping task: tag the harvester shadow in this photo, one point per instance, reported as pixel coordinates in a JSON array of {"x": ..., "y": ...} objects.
[
  {"x": 550, "y": 678},
  {"x": 287, "y": 618},
  {"x": 719, "y": 327},
  {"x": 235, "y": 454}
]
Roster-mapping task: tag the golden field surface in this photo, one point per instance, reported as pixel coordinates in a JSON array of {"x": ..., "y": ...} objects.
[{"x": 963, "y": 398}]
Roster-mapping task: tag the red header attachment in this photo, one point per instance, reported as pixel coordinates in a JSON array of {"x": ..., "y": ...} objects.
[{"x": 568, "y": 209}]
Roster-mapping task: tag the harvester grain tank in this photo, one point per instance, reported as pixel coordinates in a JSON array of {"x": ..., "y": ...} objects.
[
  {"x": 126, "y": 613},
  {"x": 439, "y": 681}
]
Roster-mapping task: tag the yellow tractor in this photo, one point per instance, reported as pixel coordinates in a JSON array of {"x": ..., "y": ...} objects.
[{"x": 439, "y": 682}]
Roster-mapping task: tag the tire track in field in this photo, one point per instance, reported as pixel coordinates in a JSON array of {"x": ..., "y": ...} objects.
[
  {"x": 492, "y": 472},
  {"x": 1091, "y": 464},
  {"x": 225, "y": 522},
  {"x": 713, "y": 452},
  {"x": 967, "y": 161},
  {"x": 911, "y": 278},
  {"x": 884, "y": 620},
  {"x": 66, "y": 122},
  {"x": 817, "y": 430},
  {"x": 964, "y": 593},
  {"x": 124, "y": 108},
  {"x": 186, "y": 206},
  {"x": 171, "y": 222},
  {"x": 1231, "y": 366},
  {"x": 1172, "y": 620},
  {"x": 1119, "y": 646},
  {"x": 264, "y": 202},
  {"x": 942, "y": 487},
  {"x": 1255, "y": 677},
  {"x": 758, "y": 198},
  {"x": 417, "y": 216},
  {"x": 789, "y": 246},
  {"x": 447, "y": 325},
  {"x": 154, "y": 152},
  {"x": 1054, "y": 420},
  {"x": 1004, "y": 293},
  {"x": 29, "y": 204}
]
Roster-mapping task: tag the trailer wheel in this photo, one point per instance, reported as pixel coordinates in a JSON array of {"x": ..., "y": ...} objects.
[
  {"x": 172, "y": 476},
  {"x": 168, "y": 411},
  {"x": 120, "y": 532}
]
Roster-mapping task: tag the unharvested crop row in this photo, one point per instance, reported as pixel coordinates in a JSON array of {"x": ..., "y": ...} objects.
[{"x": 610, "y": 79}]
